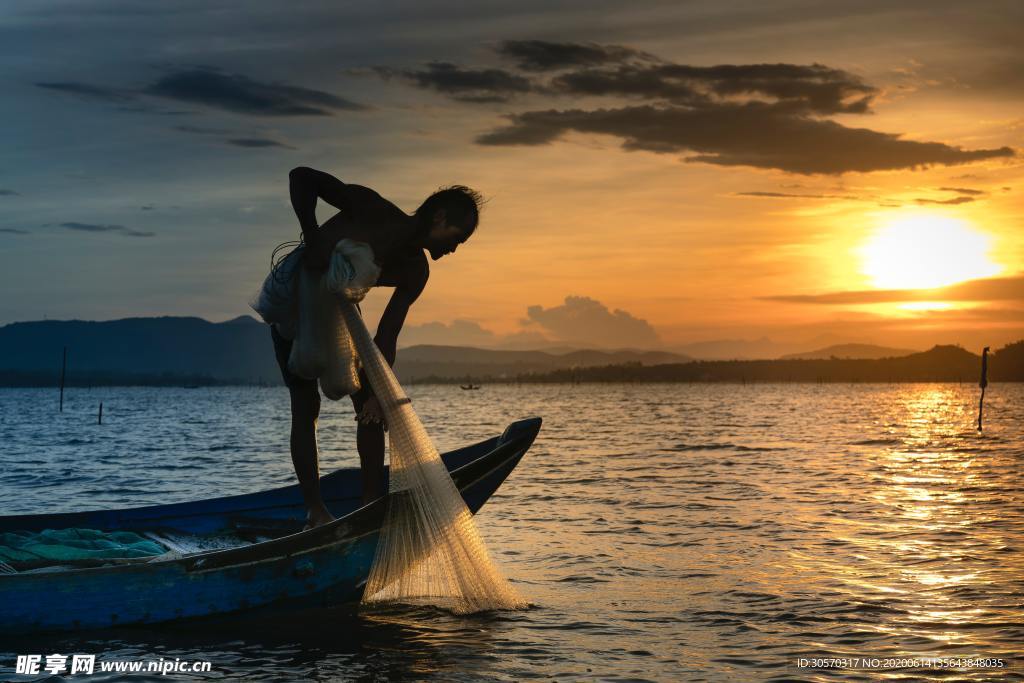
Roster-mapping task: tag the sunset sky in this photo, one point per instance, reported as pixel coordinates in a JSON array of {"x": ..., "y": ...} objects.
[{"x": 657, "y": 173}]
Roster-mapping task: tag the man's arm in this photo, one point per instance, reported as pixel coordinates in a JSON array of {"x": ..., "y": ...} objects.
[
  {"x": 394, "y": 317},
  {"x": 306, "y": 185},
  {"x": 390, "y": 325}
]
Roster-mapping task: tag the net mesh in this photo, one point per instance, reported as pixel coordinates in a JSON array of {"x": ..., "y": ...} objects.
[
  {"x": 430, "y": 551},
  {"x": 322, "y": 348}
]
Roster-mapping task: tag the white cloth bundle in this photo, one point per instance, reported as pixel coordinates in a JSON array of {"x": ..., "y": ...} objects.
[
  {"x": 304, "y": 305},
  {"x": 275, "y": 302}
]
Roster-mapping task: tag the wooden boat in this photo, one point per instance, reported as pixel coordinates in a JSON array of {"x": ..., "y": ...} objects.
[{"x": 294, "y": 569}]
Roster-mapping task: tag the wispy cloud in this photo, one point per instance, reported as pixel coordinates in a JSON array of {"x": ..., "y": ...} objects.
[
  {"x": 9, "y": 193},
  {"x": 216, "y": 89},
  {"x": 90, "y": 91},
  {"x": 963, "y": 190},
  {"x": 790, "y": 195},
  {"x": 201, "y": 130},
  {"x": 241, "y": 94},
  {"x": 257, "y": 143},
  {"x": 14, "y": 231},
  {"x": 96, "y": 227},
  {"x": 542, "y": 55},
  {"x": 950, "y": 202},
  {"x": 466, "y": 85},
  {"x": 988, "y": 289}
]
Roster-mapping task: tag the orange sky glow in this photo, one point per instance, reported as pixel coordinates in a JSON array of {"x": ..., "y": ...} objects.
[{"x": 664, "y": 176}]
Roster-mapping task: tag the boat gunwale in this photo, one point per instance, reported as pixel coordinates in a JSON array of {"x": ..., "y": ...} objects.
[
  {"x": 350, "y": 528},
  {"x": 181, "y": 510}
]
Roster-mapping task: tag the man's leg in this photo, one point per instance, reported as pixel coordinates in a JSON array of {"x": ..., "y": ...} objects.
[
  {"x": 305, "y": 412},
  {"x": 370, "y": 443},
  {"x": 305, "y": 408}
]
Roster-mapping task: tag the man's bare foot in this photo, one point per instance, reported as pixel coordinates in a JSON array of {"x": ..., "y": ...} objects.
[{"x": 319, "y": 518}]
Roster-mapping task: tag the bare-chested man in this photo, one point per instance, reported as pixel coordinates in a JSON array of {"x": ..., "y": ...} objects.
[{"x": 443, "y": 222}]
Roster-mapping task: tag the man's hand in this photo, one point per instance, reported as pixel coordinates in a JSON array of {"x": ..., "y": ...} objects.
[{"x": 372, "y": 413}]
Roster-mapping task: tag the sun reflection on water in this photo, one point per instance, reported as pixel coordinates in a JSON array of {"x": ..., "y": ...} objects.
[{"x": 920, "y": 544}]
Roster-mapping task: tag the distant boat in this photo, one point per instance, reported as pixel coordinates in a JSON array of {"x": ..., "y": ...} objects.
[{"x": 469, "y": 387}]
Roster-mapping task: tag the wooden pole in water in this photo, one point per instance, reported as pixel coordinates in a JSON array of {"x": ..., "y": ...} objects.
[
  {"x": 63, "y": 371},
  {"x": 99, "y": 418},
  {"x": 983, "y": 383}
]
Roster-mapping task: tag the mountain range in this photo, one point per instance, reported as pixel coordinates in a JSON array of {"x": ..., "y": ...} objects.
[
  {"x": 187, "y": 350},
  {"x": 175, "y": 350},
  {"x": 856, "y": 351}
]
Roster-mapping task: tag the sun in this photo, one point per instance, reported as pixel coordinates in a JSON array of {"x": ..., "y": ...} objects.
[{"x": 926, "y": 251}]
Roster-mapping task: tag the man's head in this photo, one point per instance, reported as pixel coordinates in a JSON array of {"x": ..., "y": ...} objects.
[{"x": 448, "y": 218}]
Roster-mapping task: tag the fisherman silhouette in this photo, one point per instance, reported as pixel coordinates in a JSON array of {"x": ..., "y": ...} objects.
[{"x": 444, "y": 221}]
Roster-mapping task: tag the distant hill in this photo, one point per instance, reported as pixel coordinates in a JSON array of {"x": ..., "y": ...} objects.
[
  {"x": 455, "y": 362},
  {"x": 754, "y": 349},
  {"x": 138, "y": 351},
  {"x": 736, "y": 349},
  {"x": 940, "y": 364},
  {"x": 178, "y": 350},
  {"x": 1007, "y": 364},
  {"x": 850, "y": 351},
  {"x": 185, "y": 350}
]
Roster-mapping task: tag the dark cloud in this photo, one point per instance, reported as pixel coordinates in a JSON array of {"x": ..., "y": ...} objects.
[
  {"x": 94, "y": 227},
  {"x": 201, "y": 130},
  {"x": 147, "y": 207},
  {"x": 214, "y": 88},
  {"x": 787, "y": 195},
  {"x": 88, "y": 91},
  {"x": 240, "y": 94},
  {"x": 257, "y": 143},
  {"x": 14, "y": 231},
  {"x": 966, "y": 196},
  {"x": 466, "y": 85},
  {"x": 541, "y": 55},
  {"x": 627, "y": 81},
  {"x": 9, "y": 193},
  {"x": 963, "y": 190},
  {"x": 752, "y": 134},
  {"x": 952, "y": 202},
  {"x": 988, "y": 289},
  {"x": 797, "y": 88},
  {"x": 251, "y": 142},
  {"x": 759, "y": 115},
  {"x": 633, "y": 74},
  {"x": 586, "y": 321}
]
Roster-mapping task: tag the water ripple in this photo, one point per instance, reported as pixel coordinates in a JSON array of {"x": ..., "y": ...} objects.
[{"x": 660, "y": 532}]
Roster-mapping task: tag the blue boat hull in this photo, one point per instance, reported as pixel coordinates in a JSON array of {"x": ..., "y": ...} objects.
[{"x": 298, "y": 569}]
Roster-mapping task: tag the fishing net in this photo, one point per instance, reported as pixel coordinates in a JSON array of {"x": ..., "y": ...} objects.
[
  {"x": 430, "y": 551},
  {"x": 322, "y": 348}
]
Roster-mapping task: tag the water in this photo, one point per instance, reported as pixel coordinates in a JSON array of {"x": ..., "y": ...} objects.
[{"x": 662, "y": 532}]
